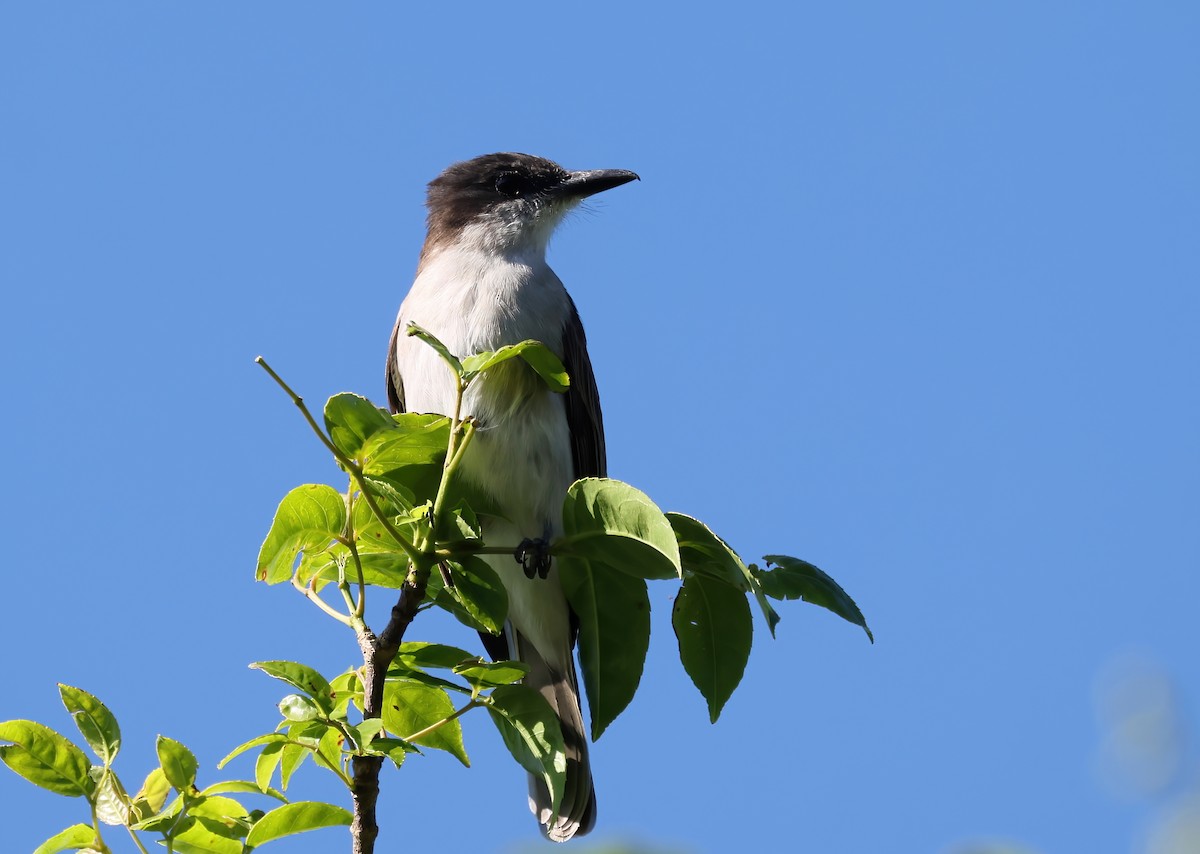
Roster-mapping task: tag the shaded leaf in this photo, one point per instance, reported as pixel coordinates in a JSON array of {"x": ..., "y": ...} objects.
[
  {"x": 532, "y": 734},
  {"x": 95, "y": 722},
  {"x": 702, "y": 551},
  {"x": 46, "y": 758},
  {"x": 713, "y": 626},
  {"x": 793, "y": 578},
  {"x": 478, "y": 589},
  {"x": 296, "y": 818},
  {"x": 614, "y": 634},
  {"x": 308, "y": 520}
]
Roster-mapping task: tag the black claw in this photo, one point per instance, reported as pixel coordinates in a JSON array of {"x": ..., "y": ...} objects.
[{"x": 534, "y": 557}]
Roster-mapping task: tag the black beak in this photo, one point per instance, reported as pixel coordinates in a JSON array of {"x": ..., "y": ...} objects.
[{"x": 580, "y": 185}]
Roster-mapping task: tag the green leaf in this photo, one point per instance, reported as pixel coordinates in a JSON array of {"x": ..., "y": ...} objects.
[
  {"x": 96, "y": 723},
  {"x": 345, "y": 688},
  {"x": 351, "y": 420},
  {"x": 437, "y": 594},
  {"x": 479, "y": 590},
  {"x": 394, "y": 749},
  {"x": 164, "y": 820},
  {"x": 713, "y": 626},
  {"x": 45, "y": 758},
  {"x": 266, "y": 763},
  {"x": 300, "y": 676},
  {"x": 702, "y": 551},
  {"x": 614, "y": 635},
  {"x": 536, "y": 354},
  {"x": 364, "y": 733},
  {"x": 151, "y": 796},
  {"x": 296, "y": 818},
  {"x": 178, "y": 763},
  {"x": 611, "y": 523},
  {"x": 413, "y": 330},
  {"x": 417, "y": 654},
  {"x": 205, "y": 836},
  {"x": 269, "y": 738},
  {"x": 308, "y": 520},
  {"x": 532, "y": 734},
  {"x": 793, "y": 578},
  {"x": 242, "y": 787},
  {"x": 410, "y": 707},
  {"x": 410, "y": 458},
  {"x": 75, "y": 837},
  {"x": 226, "y": 811},
  {"x": 489, "y": 674},
  {"x": 380, "y": 569}
]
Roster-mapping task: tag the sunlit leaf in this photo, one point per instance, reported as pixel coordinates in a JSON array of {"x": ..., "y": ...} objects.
[
  {"x": 351, "y": 420},
  {"x": 308, "y": 519},
  {"x": 151, "y": 796},
  {"x": 489, "y": 674},
  {"x": 96, "y": 723},
  {"x": 410, "y": 707},
  {"x": 536, "y": 354},
  {"x": 296, "y": 818},
  {"x": 611, "y": 523},
  {"x": 74, "y": 838},
  {"x": 178, "y": 763},
  {"x": 300, "y": 676},
  {"x": 45, "y": 758},
  {"x": 532, "y": 734}
]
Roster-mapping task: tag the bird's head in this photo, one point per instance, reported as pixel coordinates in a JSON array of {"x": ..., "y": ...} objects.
[{"x": 509, "y": 201}]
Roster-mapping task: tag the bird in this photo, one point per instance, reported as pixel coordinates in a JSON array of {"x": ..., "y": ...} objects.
[{"x": 482, "y": 282}]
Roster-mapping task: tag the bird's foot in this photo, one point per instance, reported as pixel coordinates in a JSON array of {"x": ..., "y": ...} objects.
[{"x": 534, "y": 557}]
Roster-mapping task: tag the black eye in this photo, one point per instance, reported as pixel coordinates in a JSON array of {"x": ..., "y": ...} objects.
[{"x": 511, "y": 184}]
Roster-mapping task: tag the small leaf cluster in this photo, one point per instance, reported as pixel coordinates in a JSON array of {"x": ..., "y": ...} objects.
[{"x": 194, "y": 821}]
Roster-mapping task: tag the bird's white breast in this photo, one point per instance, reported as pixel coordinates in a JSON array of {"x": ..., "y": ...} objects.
[{"x": 474, "y": 299}]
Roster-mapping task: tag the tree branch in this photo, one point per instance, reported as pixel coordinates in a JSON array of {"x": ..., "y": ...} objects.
[{"x": 378, "y": 654}]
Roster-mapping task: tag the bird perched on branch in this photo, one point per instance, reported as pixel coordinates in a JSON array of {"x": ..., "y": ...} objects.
[{"x": 483, "y": 282}]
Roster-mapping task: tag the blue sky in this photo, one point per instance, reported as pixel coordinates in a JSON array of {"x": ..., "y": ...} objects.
[{"x": 907, "y": 290}]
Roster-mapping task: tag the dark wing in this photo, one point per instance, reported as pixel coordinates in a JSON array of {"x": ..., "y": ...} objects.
[
  {"x": 395, "y": 385},
  {"x": 583, "y": 403}
]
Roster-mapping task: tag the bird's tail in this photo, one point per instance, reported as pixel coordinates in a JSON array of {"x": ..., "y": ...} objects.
[{"x": 577, "y": 812}]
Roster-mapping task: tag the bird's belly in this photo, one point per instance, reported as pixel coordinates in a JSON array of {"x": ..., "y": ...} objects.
[{"x": 521, "y": 453}]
